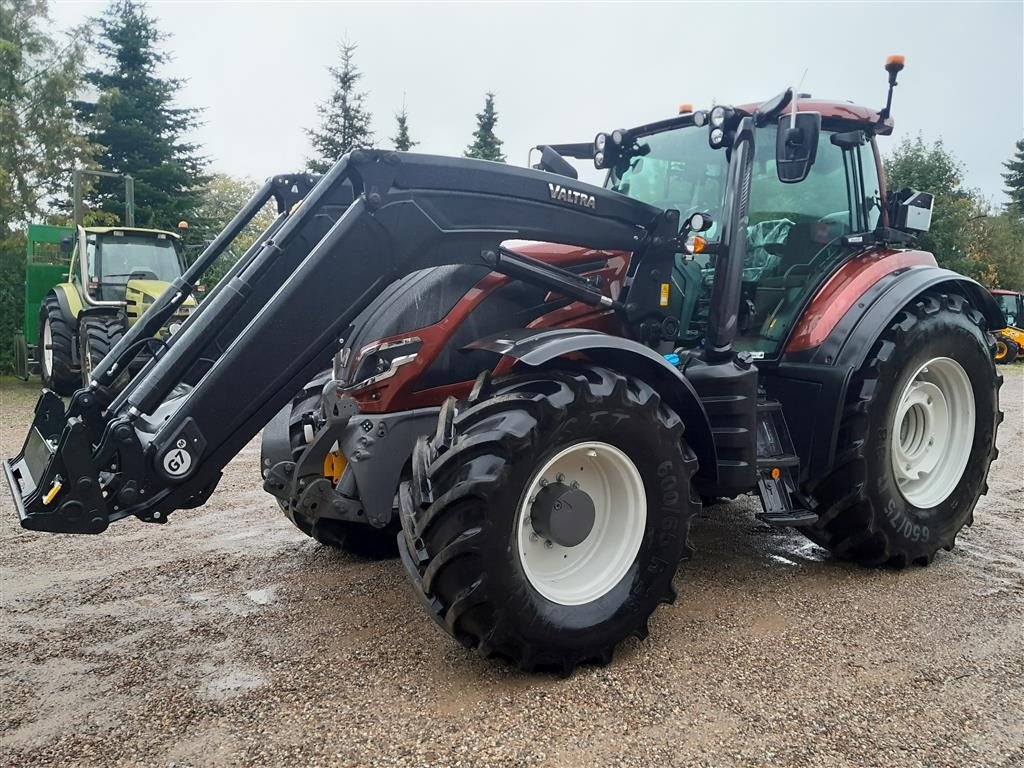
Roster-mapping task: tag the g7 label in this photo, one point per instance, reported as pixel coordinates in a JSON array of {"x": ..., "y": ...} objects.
[{"x": 177, "y": 462}]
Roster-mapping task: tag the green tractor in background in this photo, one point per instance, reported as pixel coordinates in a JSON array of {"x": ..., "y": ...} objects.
[{"x": 84, "y": 286}]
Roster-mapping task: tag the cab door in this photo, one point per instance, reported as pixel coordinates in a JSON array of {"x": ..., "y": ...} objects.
[{"x": 795, "y": 232}]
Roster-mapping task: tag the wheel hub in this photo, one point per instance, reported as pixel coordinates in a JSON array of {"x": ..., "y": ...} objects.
[
  {"x": 563, "y": 514},
  {"x": 933, "y": 430},
  {"x": 581, "y": 522}
]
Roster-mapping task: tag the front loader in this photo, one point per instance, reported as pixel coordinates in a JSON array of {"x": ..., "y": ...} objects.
[{"x": 771, "y": 332}]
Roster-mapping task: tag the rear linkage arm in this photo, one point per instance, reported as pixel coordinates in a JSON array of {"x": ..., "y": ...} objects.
[{"x": 277, "y": 319}]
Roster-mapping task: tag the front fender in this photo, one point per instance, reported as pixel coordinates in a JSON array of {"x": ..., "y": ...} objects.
[
  {"x": 538, "y": 348},
  {"x": 70, "y": 302}
]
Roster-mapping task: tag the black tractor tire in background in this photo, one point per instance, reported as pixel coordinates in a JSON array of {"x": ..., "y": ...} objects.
[
  {"x": 863, "y": 515},
  {"x": 361, "y": 539},
  {"x": 97, "y": 335},
  {"x": 63, "y": 378},
  {"x": 1007, "y": 350},
  {"x": 460, "y": 542}
]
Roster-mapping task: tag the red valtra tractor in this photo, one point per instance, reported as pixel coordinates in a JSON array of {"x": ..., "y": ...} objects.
[{"x": 530, "y": 383}]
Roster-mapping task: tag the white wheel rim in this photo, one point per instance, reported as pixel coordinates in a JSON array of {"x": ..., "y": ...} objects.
[
  {"x": 589, "y": 570},
  {"x": 86, "y": 360},
  {"x": 932, "y": 432},
  {"x": 47, "y": 346}
]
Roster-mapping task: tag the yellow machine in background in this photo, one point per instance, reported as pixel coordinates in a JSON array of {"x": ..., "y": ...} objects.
[{"x": 1009, "y": 340}]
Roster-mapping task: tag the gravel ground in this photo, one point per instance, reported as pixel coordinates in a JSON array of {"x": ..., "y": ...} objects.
[{"x": 229, "y": 638}]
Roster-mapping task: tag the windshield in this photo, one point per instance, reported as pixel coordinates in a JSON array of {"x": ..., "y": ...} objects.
[
  {"x": 144, "y": 257},
  {"x": 1008, "y": 306},
  {"x": 678, "y": 171}
]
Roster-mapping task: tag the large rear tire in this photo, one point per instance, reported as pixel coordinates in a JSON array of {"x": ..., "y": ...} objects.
[
  {"x": 916, "y": 440},
  {"x": 500, "y": 548},
  {"x": 56, "y": 342},
  {"x": 360, "y": 539}
]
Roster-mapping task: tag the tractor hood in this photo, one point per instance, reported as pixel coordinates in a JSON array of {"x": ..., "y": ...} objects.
[{"x": 140, "y": 294}]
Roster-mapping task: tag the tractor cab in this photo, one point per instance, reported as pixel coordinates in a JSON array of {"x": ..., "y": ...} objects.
[
  {"x": 797, "y": 232},
  {"x": 1011, "y": 304},
  {"x": 107, "y": 261}
]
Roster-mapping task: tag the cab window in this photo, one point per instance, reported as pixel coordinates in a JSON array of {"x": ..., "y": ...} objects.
[{"x": 795, "y": 231}]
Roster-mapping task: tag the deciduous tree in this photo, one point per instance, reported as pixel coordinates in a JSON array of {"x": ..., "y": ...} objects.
[
  {"x": 41, "y": 140},
  {"x": 932, "y": 168}
]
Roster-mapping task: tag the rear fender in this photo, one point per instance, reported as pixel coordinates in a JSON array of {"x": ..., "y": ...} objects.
[
  {"x": 537, "y": 348},
  {"x": 849, "y": 343},
  {"x": 813, "y": 384}
]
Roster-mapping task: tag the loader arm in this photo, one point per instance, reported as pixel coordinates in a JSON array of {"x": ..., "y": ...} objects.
[{"x": 283, "y": 312}]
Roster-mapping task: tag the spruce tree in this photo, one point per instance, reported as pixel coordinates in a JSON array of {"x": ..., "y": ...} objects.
[
  {"x": 136, "y": 124},
  {"x": 401, "y": 140},
  {"x": 344, "y": 118},
  {"x": 1014, "y": 179},
  {"x": 486, "y": 146}
]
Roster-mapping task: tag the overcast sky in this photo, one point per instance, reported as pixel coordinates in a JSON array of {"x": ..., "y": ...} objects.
[{"x": 562, "y": 72}]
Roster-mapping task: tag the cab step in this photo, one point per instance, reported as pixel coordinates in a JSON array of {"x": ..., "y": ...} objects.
[{"x": 792, "y": 518}]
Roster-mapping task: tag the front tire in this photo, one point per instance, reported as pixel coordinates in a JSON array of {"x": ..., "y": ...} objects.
[
  {"x": 491, "y": 574},
  {"x": 360, "y": 539},
  {"x": 96, "y": 337},
  {"x": 916, "y": 440},
  {"x": 56, "y": 342},
  {"x": 1007, "y": 350}
]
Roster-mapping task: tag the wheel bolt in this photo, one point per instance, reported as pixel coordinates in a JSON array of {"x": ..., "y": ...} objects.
[
  {"x": 534, "y": 537},
  {"x": 560, "y": 477},
  {"x": 574, "y": 484},
  {"x": 548, "y": 544},
  {"x": 543, "y": 482}
]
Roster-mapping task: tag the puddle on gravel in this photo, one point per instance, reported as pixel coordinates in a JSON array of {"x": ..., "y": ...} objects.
[
  {"x": 235, "y": 682},
  {"x": 263, "y": 596}
]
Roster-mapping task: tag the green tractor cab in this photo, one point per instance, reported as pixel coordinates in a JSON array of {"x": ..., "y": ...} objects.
[{"x": 84, "y": 287}]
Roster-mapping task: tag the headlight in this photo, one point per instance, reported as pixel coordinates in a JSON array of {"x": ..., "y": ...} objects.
[
  {"x": 700, "y": 118},
  {"x": 599, "y": 160},
  {"x": 717, "y": 137},
  {"x": 718, "y": 117},
  {"x": 600, "y": 141},
  {"x": 382, "y": 361},
  {"x": 616, "y": 137}
]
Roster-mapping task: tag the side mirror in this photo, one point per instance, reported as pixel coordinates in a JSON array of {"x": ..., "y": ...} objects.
[
  {"x": 67, "y": 244},
  {"x": 796, "y": 146},
  {"x": 553, "y": 162},
  {"x": 914, "y": 211}
]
